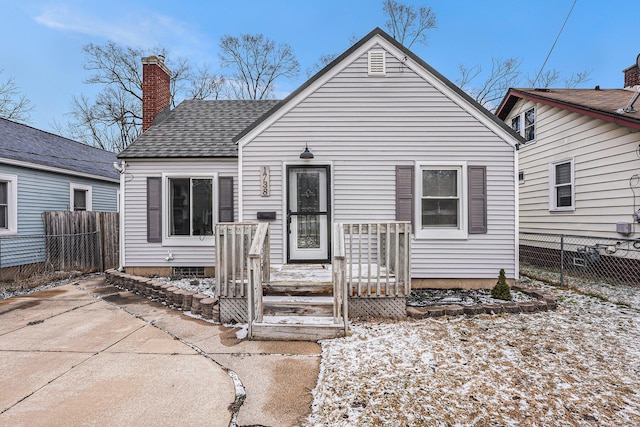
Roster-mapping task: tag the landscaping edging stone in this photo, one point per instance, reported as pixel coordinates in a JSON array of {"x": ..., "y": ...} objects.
[
  {"x": 207, "y": 307},
  {"x": 542, "y": 302},
  {"x": 167, "y": 294}
]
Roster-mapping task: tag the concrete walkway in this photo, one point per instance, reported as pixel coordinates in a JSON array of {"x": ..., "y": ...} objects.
[{"x": 90, "y": 354}]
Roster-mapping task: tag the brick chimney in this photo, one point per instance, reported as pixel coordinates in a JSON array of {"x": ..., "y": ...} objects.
[
  {"x": 632, "y": 74},
  {"x": 156, "y": 89}
]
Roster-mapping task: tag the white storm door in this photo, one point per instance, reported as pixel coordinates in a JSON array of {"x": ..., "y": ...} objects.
[{"x": 308, "y": 215}]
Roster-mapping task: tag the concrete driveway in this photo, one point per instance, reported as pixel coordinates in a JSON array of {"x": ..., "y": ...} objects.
[{"x": 90, "y": 354}]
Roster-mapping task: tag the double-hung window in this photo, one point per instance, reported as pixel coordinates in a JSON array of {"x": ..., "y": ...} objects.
[
  {"x": 8, "y": 204},
  {"x": 441, "y": 210},
  {"x": 561, "y": 186},
  {"x": 190, "y": 209},
  {"x": 80, "y": 197},
  {"x": 525, "y": 124}
]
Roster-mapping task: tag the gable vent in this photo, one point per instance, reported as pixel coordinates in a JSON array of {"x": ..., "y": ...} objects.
[{"x": 377, "y": 63}]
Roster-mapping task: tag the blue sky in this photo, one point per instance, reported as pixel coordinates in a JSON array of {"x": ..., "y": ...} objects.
[{"x": 42, "y": 40}]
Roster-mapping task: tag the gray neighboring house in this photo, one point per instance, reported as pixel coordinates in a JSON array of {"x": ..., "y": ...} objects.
[
  {"x": 39, "y": 172},
  {"x": 377, "y": 135}
]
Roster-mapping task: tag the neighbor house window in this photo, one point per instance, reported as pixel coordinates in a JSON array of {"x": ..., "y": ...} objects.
[
  {"x": 441, "y": 207},
  {"x": 525, "y": 124},
  {"x": 561, "y": 186},
  {"x": 190, "y": 204},
  {"x": 80, "y": 197},
  {"x": 8, "y": 204},
  {"x": 521, "y": 177}
]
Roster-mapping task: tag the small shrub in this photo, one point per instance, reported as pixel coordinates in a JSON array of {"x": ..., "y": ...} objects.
[{"x": 501, "y": 289}]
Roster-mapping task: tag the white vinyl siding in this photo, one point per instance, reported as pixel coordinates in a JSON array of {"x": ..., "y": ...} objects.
[
  {"x": 140, "y": 253},
  {"x": 604, "y": 160},
  {"x": 363, "y": 128}
]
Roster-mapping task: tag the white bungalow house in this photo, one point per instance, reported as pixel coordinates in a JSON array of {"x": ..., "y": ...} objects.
[{"x": 375, "y": 137}]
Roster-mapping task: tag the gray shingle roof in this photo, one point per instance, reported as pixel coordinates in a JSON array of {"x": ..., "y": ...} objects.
[
  {"x": 198, "y": 128},
  {"x": 26, "y": 144}
]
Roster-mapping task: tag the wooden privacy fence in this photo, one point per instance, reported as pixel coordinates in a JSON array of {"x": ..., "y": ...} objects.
[{"x": 71, "y": 245}]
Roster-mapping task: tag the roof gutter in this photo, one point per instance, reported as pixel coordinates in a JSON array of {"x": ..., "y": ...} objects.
[
  {"x": 53, "y": 169},
  {"x": 577, "y": 108}
]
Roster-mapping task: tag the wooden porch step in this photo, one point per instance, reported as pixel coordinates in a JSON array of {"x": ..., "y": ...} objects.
[
  {"x": 298, "y": 305},
  {"x": 297, "y": 288},
  {"x": 297, "y": 328}
]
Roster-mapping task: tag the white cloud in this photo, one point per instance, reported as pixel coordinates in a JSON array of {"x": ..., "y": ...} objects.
[{"x": 136, "y": 28}]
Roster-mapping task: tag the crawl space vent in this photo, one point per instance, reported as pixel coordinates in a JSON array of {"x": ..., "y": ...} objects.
[{"x": 377, "y": 66}]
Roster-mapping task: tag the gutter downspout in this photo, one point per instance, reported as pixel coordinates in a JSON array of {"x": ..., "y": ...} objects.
[
  {"x": 517, "y": 213},
  {"x": 122, "y": 169},
  {"x": 240, "y": 185}
]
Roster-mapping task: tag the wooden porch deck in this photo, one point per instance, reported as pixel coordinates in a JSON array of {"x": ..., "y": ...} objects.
[{"x": 310, "y": 301}]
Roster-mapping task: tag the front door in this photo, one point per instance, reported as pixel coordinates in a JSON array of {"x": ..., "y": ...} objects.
[{"x": 308, "y": 213}]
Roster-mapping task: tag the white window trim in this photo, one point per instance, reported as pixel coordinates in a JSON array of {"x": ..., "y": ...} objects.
[
  {"x": 73, "y": 186},
  {"x": 521, "y": 181},
  {"x": 522, "y": 132},
  {"x": 168, "y": 240},
  {"x": 12, "y": 201},
  {"x": 552, "y": 186},
  {"x": 459, "y": 233}
]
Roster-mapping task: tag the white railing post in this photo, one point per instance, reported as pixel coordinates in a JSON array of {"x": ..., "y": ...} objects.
[{"x": 340, "y": 285}]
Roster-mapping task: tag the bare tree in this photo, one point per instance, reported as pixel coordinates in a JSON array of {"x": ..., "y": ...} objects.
[
  {"x": 503, "y": 75},
  {"x": 256, "y": 62},
  {"x": 577, "y": 78},
  {"x": 550, "y": 77},
  {"x": 408, "y": 24},
  {"x": 14, "y": 106},
  {"x": 544, "y": 79},
  {"x": 323, "y": 61},
  {"x": 113, "y": 120}
]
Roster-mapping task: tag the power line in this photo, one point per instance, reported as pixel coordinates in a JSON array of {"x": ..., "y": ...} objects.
[
  {"x": 550, "y": 51},
  {"x": 554, "y": 43}
]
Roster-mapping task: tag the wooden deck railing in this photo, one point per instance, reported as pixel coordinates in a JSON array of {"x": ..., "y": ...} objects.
[
  {"x": 377, "y": 259},
  {"x": 258, "y": 273},
  {"x": 340, "y": 285},
  {"x": 233, "y": 241}
]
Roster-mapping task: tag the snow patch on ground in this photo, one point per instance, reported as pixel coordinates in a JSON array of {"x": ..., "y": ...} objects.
[
  {"x": 577, "y": 365},
  {"x": 206, "y": 286}
]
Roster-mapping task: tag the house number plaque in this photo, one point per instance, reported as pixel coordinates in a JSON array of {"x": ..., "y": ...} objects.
[{"x": 264, "y": 181}]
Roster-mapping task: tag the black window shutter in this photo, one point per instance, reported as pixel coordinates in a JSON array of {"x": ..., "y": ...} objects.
[
  {"x": 404, "y": 193},
  {"x": 477, "y": 199},
  {"x": 225, "y": 199},
  {"x": 154, "y": 209}
]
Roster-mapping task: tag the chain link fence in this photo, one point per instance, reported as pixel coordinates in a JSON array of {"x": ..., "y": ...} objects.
[
  {"x": 611, "y": 260},
  {"x": 29, "y": 261}
]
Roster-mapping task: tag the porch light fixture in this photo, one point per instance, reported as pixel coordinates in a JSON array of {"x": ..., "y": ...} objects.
[{"x": 306, "y": 154}]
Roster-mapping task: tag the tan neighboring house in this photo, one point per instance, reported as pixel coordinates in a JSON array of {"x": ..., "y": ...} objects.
[{"x": 579, "y": 169}]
